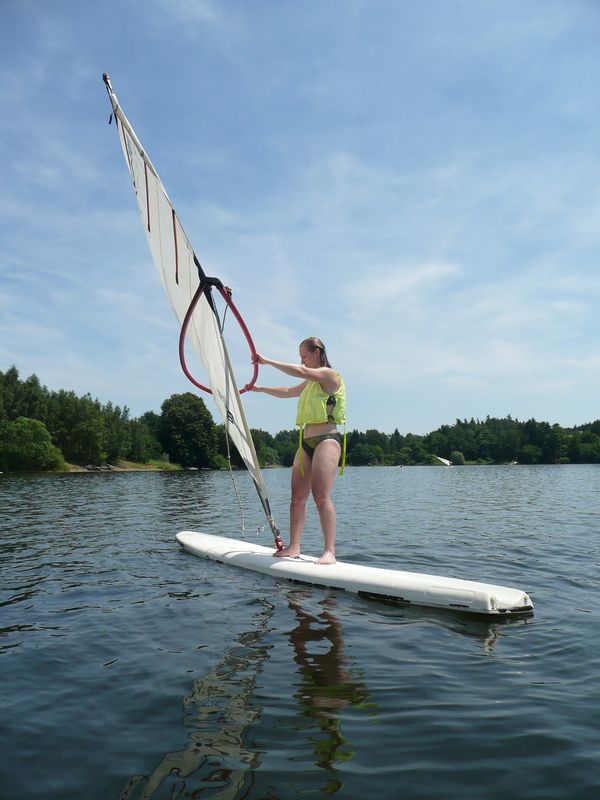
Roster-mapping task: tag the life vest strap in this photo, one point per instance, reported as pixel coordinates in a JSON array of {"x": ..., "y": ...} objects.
[{"x": 301, "y": 451}]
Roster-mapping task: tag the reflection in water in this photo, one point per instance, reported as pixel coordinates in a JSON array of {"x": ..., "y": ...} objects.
[
  {"x": 447, "y": 683},
  {"x": 219, "y": 710},
  {"x": 486, "y": 630},
  {"x": 218, "y": 713},
  {"x": 488, "y": 633},
  {"x": 327, "y": 685}
]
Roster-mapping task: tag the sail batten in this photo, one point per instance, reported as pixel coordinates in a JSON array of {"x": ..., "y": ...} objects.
[{"x": 181, "y": 274}]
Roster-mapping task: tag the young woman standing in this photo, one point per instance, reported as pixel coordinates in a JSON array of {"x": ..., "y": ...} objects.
[{"x": 321, "y": 408}]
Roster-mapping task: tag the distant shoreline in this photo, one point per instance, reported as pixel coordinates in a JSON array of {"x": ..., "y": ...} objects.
[
  {"x": 129, "y": 467},
  {"x": 125, "y": 466}
]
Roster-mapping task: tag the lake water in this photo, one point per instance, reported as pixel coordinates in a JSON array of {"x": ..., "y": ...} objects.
[{"x": 130, "y": 669}]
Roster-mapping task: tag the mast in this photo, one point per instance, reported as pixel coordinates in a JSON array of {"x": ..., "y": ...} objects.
[{"x": 191, "y": 294}]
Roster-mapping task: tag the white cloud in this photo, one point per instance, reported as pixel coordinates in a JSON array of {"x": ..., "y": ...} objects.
[
  {"x": 429, "y": 210},
  {"x": 193, "y": 18},
  {"x": 192, "y": 11}
]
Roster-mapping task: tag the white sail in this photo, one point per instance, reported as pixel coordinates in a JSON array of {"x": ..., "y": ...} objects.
[{"x": 181, "y": 274}]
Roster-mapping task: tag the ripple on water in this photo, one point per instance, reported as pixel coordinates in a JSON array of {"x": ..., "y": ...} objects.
[{"x": 132, "y": 669}]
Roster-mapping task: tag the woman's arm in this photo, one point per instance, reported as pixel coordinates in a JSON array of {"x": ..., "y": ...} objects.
[
  {"x": 281, "y": 391},
  {"x": 326, "y": 376}
]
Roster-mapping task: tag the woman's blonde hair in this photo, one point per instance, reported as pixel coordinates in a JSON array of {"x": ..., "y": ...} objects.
[{"x": 316, "y": 344}]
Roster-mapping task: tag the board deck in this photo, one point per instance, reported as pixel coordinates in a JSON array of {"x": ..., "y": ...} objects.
[{"x": 373, "y": 582}]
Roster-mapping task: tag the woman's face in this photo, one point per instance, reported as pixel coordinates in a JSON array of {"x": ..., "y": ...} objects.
[{"x": 310, "y": 358}]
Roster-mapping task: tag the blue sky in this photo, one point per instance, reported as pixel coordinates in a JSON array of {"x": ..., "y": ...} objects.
[{"x": 416, "y": 183}]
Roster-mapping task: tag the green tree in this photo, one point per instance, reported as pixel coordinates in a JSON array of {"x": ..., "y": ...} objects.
[
  {"x": 25, "y": 444},
  {"x": 365, "y": 455},
  {"x": 508, "y": 444},
  {"x": 77, "y": 427},
  {"x": 117, "y": 431},
  {"x": 590, "y": 451},
  {"x": 554, "y": 444},
  {"x": 143, "y": 442},
  {"x": 438, "y": 443},
  {"x": 152, "y": 421},
  {"x": 531, "y": 454},
  {"x": 378, "y": 439},
  {"x": 227, "y": 451},
  {"x": 396, "y": 441},
  {"x": 22, "y": 398},
  {"x": 9, "y": 391},
  {"x": 353, "y": 438},
  {"x": 286, "y": 444},
  {"x": 419, "y": 454},
  {"x": 188, "y": 432},
  {"x": 404, "y": 457},
  {"x": 33, "y": 399},
  {"x": 264, "y": 444}
]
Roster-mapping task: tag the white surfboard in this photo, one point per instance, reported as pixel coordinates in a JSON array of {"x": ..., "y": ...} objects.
[{"x": 373, "y": 582}]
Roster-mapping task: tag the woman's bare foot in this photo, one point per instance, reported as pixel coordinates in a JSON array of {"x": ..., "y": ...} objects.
[
  {"x": 287, "y": 552},
  {"x": 328, "y": 557}
]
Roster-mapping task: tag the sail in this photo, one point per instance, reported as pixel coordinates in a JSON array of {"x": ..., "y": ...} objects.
[{"x": 190, "y": 293}]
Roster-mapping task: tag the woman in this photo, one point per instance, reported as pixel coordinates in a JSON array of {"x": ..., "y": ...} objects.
[{"x": 321, "y": 407}]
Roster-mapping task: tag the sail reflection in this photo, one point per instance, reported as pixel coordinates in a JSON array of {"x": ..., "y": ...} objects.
[
  {"x": 222, "y": 760},
  {"x": 221, "y": 708},
  {"x": 218, "y": 713}
]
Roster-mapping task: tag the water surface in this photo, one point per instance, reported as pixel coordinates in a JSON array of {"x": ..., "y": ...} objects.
[{"x": 131, "y": 669}]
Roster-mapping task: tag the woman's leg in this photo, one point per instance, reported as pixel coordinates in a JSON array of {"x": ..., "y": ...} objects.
[
  {"x": 323, "y": 471},
  {"x": 300, "y": 492}
]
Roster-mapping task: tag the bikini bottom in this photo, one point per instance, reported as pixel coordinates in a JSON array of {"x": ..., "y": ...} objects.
[{"x": 310, "y": 445}]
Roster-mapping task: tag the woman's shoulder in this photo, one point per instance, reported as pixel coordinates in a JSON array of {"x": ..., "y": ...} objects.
[{"x": 331, "y": 382}]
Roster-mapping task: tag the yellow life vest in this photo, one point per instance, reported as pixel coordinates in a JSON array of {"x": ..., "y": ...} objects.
[{"x": 316, "y": 407}]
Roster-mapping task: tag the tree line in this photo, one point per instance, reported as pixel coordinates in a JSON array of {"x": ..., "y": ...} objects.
[{"x": 45, "y": 430}]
